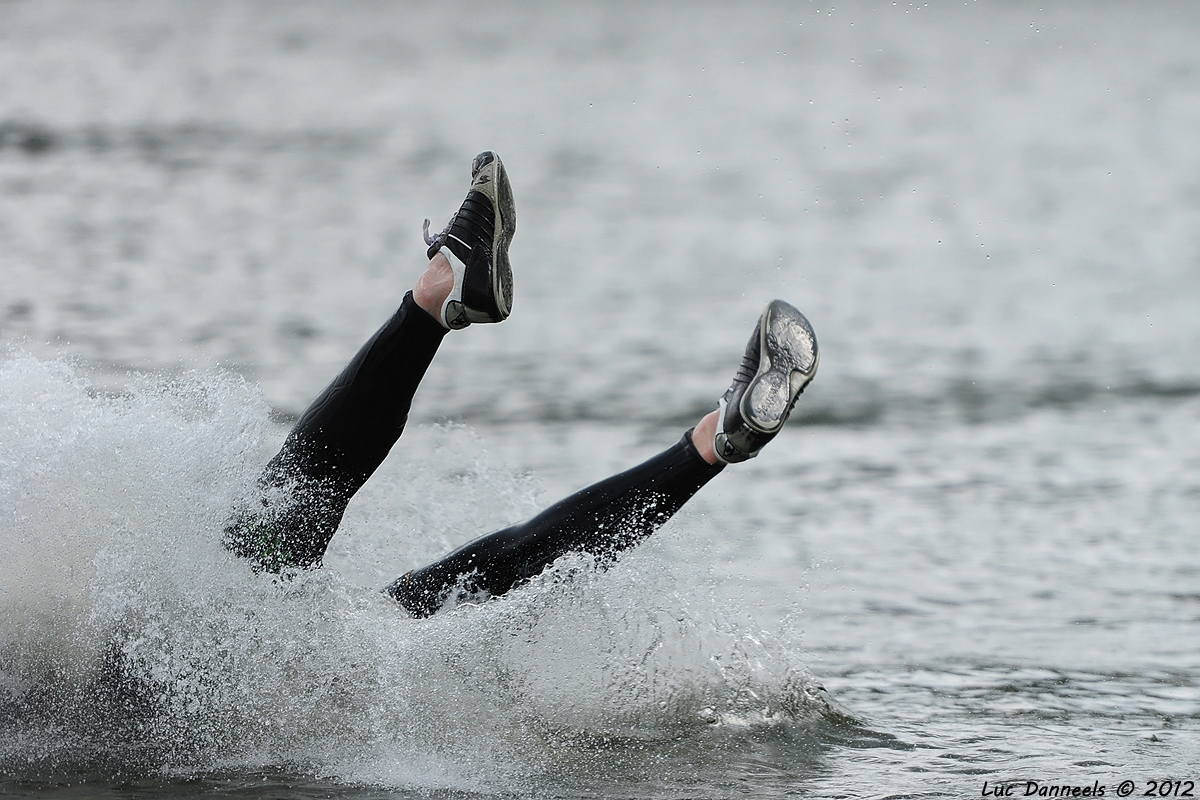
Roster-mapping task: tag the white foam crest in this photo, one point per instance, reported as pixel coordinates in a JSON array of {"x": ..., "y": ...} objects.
[
  {"x": 91, "y": 482},
  {"x": 131, "y": 640}
]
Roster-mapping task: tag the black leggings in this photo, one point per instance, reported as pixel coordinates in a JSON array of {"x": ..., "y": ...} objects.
[{"x": 348, "y": 431}]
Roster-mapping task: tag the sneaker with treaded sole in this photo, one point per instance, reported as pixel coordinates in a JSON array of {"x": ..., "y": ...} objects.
[
  {"x": 781, "y": 359},
  {"x": 476, "y": 244}
]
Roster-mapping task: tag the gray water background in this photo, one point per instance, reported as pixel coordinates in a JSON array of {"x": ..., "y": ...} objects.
[{"x": 979, "y": 532}]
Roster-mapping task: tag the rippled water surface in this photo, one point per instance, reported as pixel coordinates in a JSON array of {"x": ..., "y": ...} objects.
[{"x": 972, "y": 556}]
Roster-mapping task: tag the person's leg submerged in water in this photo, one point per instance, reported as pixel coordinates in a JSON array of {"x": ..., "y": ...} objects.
[
  {"x": 617, "y": 513},
  {"x": 346, "y": 433}
]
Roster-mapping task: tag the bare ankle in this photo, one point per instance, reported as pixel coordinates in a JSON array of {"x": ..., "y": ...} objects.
[
  {"x": 703, "y": 436},
  {"x": 434, "y": 286}
]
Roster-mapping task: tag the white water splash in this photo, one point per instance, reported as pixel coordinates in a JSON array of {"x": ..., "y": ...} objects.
[{"x": 131, "y": 641}]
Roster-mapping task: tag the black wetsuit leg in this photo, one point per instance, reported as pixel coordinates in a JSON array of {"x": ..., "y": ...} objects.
[
  {"x": 339, "y": 441},
  {"x": 602, "y": 520}
]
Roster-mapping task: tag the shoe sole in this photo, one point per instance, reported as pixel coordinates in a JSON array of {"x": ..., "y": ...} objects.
[
  {"x": 788, "y": 359},
  {"x": 505, "y": 222}
]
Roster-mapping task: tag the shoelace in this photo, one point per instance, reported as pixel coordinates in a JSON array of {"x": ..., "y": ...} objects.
[{"x": 438, "y": 239}]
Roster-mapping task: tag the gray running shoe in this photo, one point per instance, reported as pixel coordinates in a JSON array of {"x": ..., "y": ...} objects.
[
  {"x": 780, "y": 360},
  {"x": 477, "y": 243}
]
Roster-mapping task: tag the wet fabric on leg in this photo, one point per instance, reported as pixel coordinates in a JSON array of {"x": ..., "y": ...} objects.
[
  {"x": 340, "y": 440},
  {"x": 602, "y": 520}
]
